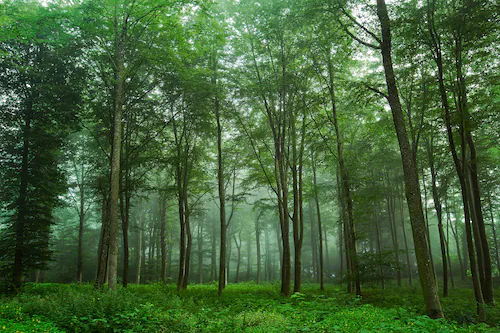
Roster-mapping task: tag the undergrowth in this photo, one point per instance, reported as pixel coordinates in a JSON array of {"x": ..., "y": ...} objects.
[{"x": 244, "y": 307}]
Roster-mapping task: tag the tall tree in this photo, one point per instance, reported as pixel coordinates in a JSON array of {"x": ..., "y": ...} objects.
[{"x": 41, "y": 84}]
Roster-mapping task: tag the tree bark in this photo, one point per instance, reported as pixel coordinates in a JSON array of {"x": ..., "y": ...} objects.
[
  {"x": 220, "y": 180},
  {"x": 320, "y": 230},
  {"x": 120, "y": 77},
  {"x": 410, "y": 170},
  {"x": 81, "y": 215},
  {"x": 103, "y": 248},
  {"x": 257, "y": 244},
  {"x": 163, "y": 234},
  {"x": 439, "y": 213},
  {"x": 139, "y": 247}
]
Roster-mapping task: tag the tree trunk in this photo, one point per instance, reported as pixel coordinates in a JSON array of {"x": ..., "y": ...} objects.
[
  {"x": 103, "y": 248},
  {"x": 391, "y": 211},
  {"x": 189, "y": 241},
  {"x": 494, "y": 232},
  {"x": 346, "y": 191},
  {"x": 220, "y": 180},
  {"x": 213, "y": 263},
  {"x": 427, "y": 229},
  {"x": 460, "y": 167},
  {"x": 314, "y": 252},
  {"x": 439, "y": 214},
  {"x": 237, "y": 242},
  {"x": 249, "y": 259},
  {"x": 81, "y": 214},
  {"x": 413, "y": 198},
  {"x": 120, "y": 77},
  {"x": 320, "y": 231},
  {"x": 139, "y": 247},
  {"x": 407, "y": 250},
  {"x": 257, "y": 244},
  {"x": 200, "y": 252},
  {"x": 379, "y": 250},
  {"x": 163, "y": 235}
]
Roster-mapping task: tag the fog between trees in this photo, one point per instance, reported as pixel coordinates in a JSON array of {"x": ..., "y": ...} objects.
[{"x": 345, "y": 142}]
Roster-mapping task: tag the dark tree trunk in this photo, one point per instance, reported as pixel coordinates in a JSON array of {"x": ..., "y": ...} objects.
[
  {"x": 391, "y": 211},
  {"x": 413, "y": 198},
  {"x": 113, "y": 206},
  {"x": 140, "y": 248},
  {"x": 81, "y": 215},
  {"x": 439, "y": 214},
  {"x": 163, "y": 235},
  {"x": 379, "y": 250},
  {"x": 249, "y": 259},
  {"x": 220, "y": 179},
  {"x": 213, "y": 263},
  {"x": 103, "y": 249},
  {"x": 189, "y": 244},
  {"x": 257, "y": 244},
  {"x": 200, "y": 252},
  {"x": 320, "y": 230},
  {"x": 427, "y": 229},
  {"x": 314, "y": 247},
  {"x": 407, "y": 250},
  {"x": 494, "y": 232},
  {"x": 237, "y": 242}
]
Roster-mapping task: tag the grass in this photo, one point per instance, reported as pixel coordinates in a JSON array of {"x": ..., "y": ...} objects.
[{"x": 244, "y": 307}]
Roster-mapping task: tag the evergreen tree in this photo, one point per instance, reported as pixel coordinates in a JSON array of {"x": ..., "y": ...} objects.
[{"x": 40, "y": 83}]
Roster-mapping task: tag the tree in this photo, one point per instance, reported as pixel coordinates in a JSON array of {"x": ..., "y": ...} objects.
[
  {"x": 40, "y": 82},
  {"x": 426, "y": 273}
]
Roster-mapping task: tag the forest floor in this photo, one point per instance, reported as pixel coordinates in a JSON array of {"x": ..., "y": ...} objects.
[{"x": 243, "y": 307}]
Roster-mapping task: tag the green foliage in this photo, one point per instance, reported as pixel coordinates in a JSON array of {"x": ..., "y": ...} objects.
[
  {"x": 40, "y": 85},
  {"x": 242, "y": 308},
  {"x": 13, "y": 319}
]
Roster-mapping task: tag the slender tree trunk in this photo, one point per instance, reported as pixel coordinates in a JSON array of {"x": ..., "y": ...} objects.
[
  {"x": 379, "y": 250},
  {"x": 346, "y": 191},
  {"x": 189, "y": 240},
  {"x": 249, "y": 259},
  {"x": 460, "y": 167},
  {"x": 120, "y": 77},
  {"x": 139, "y": 247},
  {"x": 163, "y": 235},
  {"x": 454, "y": 230},
  {"x": 213, "y": 265},
  {"x": 439, "y": 214},
  {"x": 257, "y": 244},
  {"x": 391, "y": 211},
  {"x": 327, "y": 254},
  {"x": 200, "y": 252},
  {"x": 237, "y": 242},
  {"x": 314, "y": 248},
  {"x": 407, "y": 250},
  {"x": 220, "y": 179},
  {"x": 494, "y": 232},
  {"x": 427, "y": 229},
  {"x": 81, "y": 214},
  {"x": 320, "y": 231},
  {"x": 103, "y": 249},
  {"x": 410, "y": 170},
  {"x": 448, "y": 254}
]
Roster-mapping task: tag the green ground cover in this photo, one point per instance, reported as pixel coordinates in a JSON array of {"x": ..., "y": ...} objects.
[{"x": 244, "y": 307}]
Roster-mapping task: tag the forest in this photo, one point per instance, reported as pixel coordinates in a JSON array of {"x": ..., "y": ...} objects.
[{"x": 249, "y": 166}]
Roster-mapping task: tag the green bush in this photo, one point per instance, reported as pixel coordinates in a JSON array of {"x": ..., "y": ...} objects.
[{"x": 244, "y": 307}]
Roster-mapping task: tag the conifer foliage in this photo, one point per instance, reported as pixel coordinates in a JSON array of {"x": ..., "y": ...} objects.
[{"x": 40, "y": 86}]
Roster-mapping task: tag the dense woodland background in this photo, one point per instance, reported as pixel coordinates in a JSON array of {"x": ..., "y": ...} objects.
[{"x": 351, "y": 142}]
